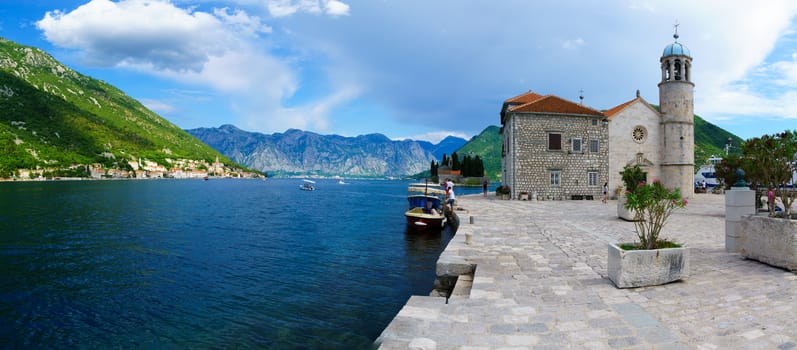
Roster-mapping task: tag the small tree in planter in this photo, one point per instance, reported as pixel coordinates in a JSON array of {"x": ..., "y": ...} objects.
[
  {"x": 632, "y": 176},
  {"x": 651, "y": 261},
  {"x": 652, "y": 204}
]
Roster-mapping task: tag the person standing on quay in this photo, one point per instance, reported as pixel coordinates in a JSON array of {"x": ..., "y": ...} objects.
[
  {"x": 605, "y": 192},
  {"x": 484, "y": 187},
  {"x": 450, "y": 196}
]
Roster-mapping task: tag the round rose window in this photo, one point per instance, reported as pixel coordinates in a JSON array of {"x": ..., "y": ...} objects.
[{"x": 640, "y": 134}]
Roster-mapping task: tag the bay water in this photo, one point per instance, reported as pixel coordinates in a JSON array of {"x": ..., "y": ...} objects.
[{"x": 207, "y": 264}]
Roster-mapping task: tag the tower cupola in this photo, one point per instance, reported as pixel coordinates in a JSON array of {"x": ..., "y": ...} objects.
[{"x": 676, "y": 62}]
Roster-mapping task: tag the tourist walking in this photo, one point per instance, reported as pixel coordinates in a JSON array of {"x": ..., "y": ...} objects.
[
  {"x": 450, "y": 196},
  {"x": 605, "y": 192}
]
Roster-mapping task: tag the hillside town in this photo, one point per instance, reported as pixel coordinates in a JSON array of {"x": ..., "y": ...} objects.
[{"x": 143, "y": 169}]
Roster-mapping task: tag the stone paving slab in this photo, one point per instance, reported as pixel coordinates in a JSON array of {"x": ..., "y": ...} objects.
[{"x": 540, "y": 282}]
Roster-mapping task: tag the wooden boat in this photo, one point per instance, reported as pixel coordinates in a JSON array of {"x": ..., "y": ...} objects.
[
  {"x": 425, "y": 211},
  {"x": 307, "y": 185}
]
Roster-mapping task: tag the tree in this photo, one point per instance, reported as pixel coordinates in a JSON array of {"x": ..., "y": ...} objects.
[
  {"x": 455, "y": 165},
  {"x": 726, "y": 170},
  {"x": 771, "y": 162},
  {"x": 479, "y": 167}
]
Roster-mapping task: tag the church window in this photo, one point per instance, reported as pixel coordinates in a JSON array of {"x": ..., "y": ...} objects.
[
  {"x": 593, "y": 146},
  {"x": 575, "y": 145},
  {"x": 639, "y": 134},
  {"x": 556, "y": 176},
  {"x": 554, "y": 141},
  {"x": 592, "y": 178}
]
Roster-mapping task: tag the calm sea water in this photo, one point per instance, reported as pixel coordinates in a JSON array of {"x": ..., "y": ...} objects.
[{"x": 201, "y": 264}]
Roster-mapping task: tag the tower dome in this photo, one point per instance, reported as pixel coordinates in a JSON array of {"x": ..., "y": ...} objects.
[{"x": 676, "y": 49}]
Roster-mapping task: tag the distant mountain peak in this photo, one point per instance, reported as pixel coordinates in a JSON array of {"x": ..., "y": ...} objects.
[{"x": 302, "y": 153}]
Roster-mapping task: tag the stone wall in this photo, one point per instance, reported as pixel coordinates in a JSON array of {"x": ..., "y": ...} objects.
[
  {"x": 529, "y": 162},
  {"x": 769, "y": 240}
]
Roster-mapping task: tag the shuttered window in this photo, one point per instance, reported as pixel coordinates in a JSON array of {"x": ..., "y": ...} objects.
[{"x": 554, "y": 141}]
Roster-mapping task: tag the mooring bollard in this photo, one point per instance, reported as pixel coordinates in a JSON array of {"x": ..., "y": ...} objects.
[
  {"x": 468, "y": 238},
  {"x": 471, "y": 220}
]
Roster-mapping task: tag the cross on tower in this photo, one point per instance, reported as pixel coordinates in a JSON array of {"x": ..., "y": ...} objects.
[{"x": 676, "y": 30}]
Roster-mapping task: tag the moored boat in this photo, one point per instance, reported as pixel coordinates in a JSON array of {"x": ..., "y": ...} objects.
[
  {"x": 707, "y": 174},
  {"x": 425, "y": 211}
]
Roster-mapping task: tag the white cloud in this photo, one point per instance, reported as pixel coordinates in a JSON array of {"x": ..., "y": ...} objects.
[
  {"x": 336, "y": 8},
  {"x": 243, "y": 23},
  {"x": 572, "y": 44},
  {"x": 311, "y": 116},
  {"x": 434, "y": 137},
  {"x": 154, "y": 33},
  {"x": 216, "y": 51},
  {"x": 157, "y": 106},
  {"x": 283, "y": 8}
]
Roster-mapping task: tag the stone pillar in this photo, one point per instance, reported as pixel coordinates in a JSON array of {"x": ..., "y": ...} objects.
[{"x": 739, "y": 201}]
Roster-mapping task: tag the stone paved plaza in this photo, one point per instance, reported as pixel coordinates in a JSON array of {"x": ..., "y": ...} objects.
[{"x": 541, "y": 283}]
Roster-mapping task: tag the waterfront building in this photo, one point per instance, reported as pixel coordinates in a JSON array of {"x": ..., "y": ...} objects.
[{"x": 560, "y": 149}]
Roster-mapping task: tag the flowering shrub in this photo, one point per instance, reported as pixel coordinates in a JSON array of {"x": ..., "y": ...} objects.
[
  {"x": 632, "y": 176},
  {"x": 652, "y": 204}
]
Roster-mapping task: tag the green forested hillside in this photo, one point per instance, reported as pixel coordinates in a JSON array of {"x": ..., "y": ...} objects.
[
  {"x": 53, "y": 117},
  {"x": 709, "y": 140},
  {"x": 487, "y": 145}
]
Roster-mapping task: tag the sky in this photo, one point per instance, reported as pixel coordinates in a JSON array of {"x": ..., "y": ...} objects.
[{"x": 416, "y": 69}]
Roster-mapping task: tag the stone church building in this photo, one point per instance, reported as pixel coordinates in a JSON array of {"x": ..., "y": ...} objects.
[{"x": 559, "y": 149}]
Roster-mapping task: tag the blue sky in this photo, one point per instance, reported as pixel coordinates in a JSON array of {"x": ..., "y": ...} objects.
[{"x": 415, "y": 68}]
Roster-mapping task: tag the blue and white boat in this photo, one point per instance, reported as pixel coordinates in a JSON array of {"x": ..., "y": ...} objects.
[
  {"x": 425, "y": 211},
  {"x": 307, "y": 185}
]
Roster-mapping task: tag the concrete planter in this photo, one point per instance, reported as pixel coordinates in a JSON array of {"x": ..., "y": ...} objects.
[
  {"x": 640, "y": 268},
  {"x": 622, "y": 212},
  {"x": 769, "y": 240}
]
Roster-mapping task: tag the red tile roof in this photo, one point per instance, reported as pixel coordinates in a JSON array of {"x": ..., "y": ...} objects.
[
  {"x": 614, "y": 111},
  {"x": 552, "y": 104},
  {"x": 524, "y": 98},
  {"x": 611, "y": 112}
]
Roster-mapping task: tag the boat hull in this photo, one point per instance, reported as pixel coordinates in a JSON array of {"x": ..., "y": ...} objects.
[{"x": 419, "y": 221}]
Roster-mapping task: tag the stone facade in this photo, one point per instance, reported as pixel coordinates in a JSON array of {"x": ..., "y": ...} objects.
[
  {"x": 578, "y": 168},
  {"x": 632, "y": 133},
  {"x": 635, "y": 139}
]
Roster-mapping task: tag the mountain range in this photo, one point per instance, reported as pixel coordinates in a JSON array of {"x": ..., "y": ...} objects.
[{"x": 302, "y": 153}]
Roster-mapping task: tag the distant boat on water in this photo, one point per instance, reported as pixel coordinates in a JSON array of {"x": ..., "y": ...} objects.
[{"x": 307, "y": 185}]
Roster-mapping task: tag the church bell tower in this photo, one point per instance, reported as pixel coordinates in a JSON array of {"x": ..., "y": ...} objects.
[{"x": 676, "y": 96}]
